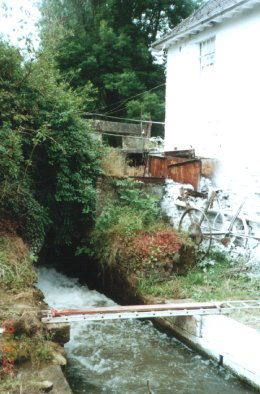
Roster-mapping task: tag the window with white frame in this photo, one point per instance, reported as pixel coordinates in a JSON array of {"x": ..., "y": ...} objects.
[{"x": 207, "y": 53}]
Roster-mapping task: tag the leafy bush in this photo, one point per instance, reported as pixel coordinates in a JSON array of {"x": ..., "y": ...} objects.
[
  {"x": 48, "y": 160},
  {"x": 32, "y": 217},
  {"x": 131, "y": 193},
  {"x": 131, "y": 211}
]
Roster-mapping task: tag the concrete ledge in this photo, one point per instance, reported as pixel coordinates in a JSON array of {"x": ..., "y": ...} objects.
[
  {"x": 54, "y": 374},
  {"x": 231, "y": 344}
]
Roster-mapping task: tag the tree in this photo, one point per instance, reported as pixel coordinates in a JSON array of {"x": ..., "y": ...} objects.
[
  {"x": 108, "y": 43},
  {"x": 17, "y": 133},
  {"x": 49, "y": 162}
]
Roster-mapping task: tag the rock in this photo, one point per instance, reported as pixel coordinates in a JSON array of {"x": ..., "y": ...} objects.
[
  {"x": 54, "y": 374},
  {"x": 59, "y": 332},
  {"x": 45, "y": 386},
  {"x": 58, "y": 359}
]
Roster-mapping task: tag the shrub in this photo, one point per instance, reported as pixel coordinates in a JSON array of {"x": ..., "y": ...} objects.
[
  {"x": 130, "y": 211},
  {"x": 129, "y": 230},
  {"x": 48, "y": 160}
]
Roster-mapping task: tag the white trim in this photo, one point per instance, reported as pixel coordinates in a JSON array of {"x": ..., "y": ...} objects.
[{"x": 165, "y": 43}]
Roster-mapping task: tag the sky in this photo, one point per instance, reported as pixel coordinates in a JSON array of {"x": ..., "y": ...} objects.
[{"x": 17, "y": 21}]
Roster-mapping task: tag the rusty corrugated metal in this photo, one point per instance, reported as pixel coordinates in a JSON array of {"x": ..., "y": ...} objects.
[
  {"x": 157, "y": 166},
  {"x": 187, "y": 171},
  {"x": 180, "y": 169}
]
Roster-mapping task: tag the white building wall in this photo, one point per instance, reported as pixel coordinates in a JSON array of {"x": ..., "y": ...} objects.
[{"x": 218, "y": 112}]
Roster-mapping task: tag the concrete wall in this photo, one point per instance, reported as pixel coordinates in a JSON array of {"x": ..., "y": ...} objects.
[
  {"x": 214, "y": 337},
  {"x": 216, "y": 112}
]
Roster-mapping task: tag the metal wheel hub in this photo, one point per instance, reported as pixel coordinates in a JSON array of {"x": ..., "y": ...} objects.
[{"x": 195, "y": 233}]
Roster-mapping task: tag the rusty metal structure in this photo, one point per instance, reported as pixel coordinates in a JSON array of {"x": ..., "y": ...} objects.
[{"x": 181, "y": 166}]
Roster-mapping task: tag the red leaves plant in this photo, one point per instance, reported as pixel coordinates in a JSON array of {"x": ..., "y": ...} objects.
[{"x": 163, "y": 242}]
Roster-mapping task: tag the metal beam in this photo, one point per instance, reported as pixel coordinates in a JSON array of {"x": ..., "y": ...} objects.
[{"x": 145, "y": 311}]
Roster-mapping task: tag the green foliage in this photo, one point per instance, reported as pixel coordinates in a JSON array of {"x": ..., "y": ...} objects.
[
  {"x": 17, "y": 197},
  {"x": 132, "y": 194},
  {"x": 49, "y": 162},
  {"x": 157, "y": 287},
  {"x": 144, "y": 107},
  {"x": 14, "y": 273},
  {"x": 11, "y": 157},
  {"x": 118, "y": 219},
  {"x": 208, "y": 282},
  {"x": 70, "y": 164},
  {"x": 9, "y": 64},
  {"x": 36, "y": 349},
  {"x": 132, "y": 210},
  {"x": 108, "y": 43},
  {"x": 32, "y": 217},
  {"x": 13, "y": 386}
]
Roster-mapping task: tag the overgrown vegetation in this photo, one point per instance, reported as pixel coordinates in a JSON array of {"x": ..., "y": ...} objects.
[
  {"x": 25, "y": 342},
  {"x": 16, "y": 271},
  {"x": 217, "y": 278},
  {"x": 35, "y": 349},
  {"x": 108, "y": 43},
  {"x": 15, "y": 386},
  {"x": 116, "y": 163},
  {"x": 98, "y": 55},
  {"x": 129, "y": 233},
  {"x": 48, "y": 162}
]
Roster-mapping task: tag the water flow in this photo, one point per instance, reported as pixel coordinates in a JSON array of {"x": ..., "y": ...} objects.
[{"x": 128, "y": 356}]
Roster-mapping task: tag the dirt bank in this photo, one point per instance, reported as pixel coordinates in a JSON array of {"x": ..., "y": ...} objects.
[{"x": 30, "y": 361}]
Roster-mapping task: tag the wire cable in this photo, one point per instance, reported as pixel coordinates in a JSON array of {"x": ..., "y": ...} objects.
[
  {"x": 129, "y": 98},
  {"x": 127, "y": 119}
]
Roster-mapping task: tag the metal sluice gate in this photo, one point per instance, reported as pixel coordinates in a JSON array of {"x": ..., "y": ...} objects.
[{"x": 145, "y": 311}]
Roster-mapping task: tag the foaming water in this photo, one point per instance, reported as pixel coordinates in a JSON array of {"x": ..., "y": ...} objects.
[{"x": 119, "y": 357}]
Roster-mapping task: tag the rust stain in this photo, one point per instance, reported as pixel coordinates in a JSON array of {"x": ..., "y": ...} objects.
[
  {"x": 186, "y": 172},
  {"x": 180, "y": 169}
]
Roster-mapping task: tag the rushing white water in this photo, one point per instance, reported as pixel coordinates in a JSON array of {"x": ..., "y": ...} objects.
[{"x": 121, "y": 356}]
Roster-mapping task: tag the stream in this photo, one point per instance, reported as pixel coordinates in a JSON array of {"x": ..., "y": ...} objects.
[{"x": 128, "y": 356}]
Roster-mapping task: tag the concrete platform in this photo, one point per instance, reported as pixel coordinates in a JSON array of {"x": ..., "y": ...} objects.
[{"x": 232, "y": 344}]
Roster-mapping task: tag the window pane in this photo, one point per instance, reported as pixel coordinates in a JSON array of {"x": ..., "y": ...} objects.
[{"x": 207, "y": 53}]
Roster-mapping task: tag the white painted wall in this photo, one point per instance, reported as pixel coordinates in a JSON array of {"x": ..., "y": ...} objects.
[{"x": 218, "y": 114}]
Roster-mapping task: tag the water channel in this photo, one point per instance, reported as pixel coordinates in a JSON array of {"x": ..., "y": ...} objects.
[{"x": 128, "y": 356}]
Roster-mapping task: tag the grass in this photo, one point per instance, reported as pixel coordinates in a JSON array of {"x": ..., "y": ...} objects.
[
  {"x": 38, "y": 350},
  {"x": 218, "y": 279},
  {"x": 16, "y": 270},
  {"x": 115, "y": 163},
  {"x": 9, "y": 385},
  {"x": 29, "y": 352}
]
